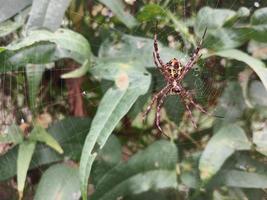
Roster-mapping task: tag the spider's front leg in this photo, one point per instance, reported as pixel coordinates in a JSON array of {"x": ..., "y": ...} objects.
[
  {"x": 156, "y": 50},
  {"x": 155, "y": 97},
  {"x": 195, "y": 57}
]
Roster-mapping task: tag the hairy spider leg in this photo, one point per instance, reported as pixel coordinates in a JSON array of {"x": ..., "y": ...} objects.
[
  {"x": 155, "y": 97},
  {"x": 156, "y": 49},
  {"x": 195, "y": 57},
  {"x": 159, "y": 106}
]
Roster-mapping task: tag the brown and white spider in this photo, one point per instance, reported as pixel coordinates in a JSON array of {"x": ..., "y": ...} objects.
[{"x": 174, "y": 72}]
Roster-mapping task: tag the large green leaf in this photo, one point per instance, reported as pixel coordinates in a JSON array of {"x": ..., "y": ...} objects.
[
  {"x": 43, "y": 46},
  {"x": 219, "y": 34},
  {"x": 259, "y": 25},
  {"x": 131, "y": 81},
  {"x": 47, "y": 14},
  {"x": 12, "y": 7},
  {"x": 70, "y": 133},
  {"x": 59, "y": 182},
  {"x": 151, "y": 169},
  {"x": 256, "y": 65},
  {"x": 118, "y": 8},
  {"x": 220, "y": 147},
  {"x": 26, "y": 150}
]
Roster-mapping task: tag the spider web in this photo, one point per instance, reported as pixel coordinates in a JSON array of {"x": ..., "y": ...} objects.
[{"x": 202, "y": 85}]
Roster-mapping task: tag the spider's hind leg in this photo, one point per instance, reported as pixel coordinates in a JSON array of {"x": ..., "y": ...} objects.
[{"x": 155, "y": 97}]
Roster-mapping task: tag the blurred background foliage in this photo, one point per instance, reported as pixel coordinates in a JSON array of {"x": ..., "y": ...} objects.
[{"x": 76, "y": 76}]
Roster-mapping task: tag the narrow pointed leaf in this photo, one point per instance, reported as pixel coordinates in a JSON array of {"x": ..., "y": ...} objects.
[
  {"x": 116, "y": 102},
  {"x": 26, "y": 150},
  {"x": 39, "y": 134}
]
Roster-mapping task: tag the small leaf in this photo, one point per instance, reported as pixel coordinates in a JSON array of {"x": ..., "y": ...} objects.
[
  {"x": 256, "y": 65},
  {"x": 47, "y": 14},
  {"x": 150, "y": 12},
  {"x": 118, "y": 8},
  {"x": 26, "y": 150},
  {"x": 151, "y": 169},
  {"x": 220, "y": 147},
  {"x": 39, "y": 134},
  {"x": 14, "y": 135},
  {"x": 59, "y": 182}
]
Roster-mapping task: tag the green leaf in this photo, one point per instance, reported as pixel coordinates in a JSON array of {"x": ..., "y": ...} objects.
[
  {"x": 258, "y": 93},
  {"x": 26, "y": 150},
  {"x": 39, "y": 134},
  {"x": 12, "y": 7},
  {"x": 43, "y": 46},
  {"x": 136, "y": 49},
  {"x": 219, "y": 34},
  {"x": 34, "y": 75},
  {"x": 257, "y": 66},
  {"x": 242, "y": 179},
  {"x": 231, "y": 105},
  {"x": 151, "y": 169},
  {"x": 59, "y": 182},
  {"x": 150, "y": 12},
  {"x": 131, "y": 82},
  {"x": 221, "y": 146},
  {"x": 107, "y": 158},
  {"x": 47, "y": 14},
  {"x": 14, "y": 135},
  {"x": 118, "y": 8},
  {"x": 69, "y": 132},
  {"x": 259, "y": 25},
  {"x": 9, "y": 26}
]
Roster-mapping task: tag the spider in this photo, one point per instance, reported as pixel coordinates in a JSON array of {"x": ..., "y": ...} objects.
[{"x": 174, "y": 72}]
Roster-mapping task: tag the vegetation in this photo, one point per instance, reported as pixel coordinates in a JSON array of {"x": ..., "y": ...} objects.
[{"x": 76, "y": 77}]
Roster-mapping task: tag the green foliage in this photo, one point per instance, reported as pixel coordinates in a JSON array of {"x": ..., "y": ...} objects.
[{"x": 221, "y": 159}]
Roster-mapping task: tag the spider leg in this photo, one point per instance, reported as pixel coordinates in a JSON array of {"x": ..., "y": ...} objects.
[
  {"x": 198, "y": 106},
  {"x": 195, "y": 57},
  {"x": 155, "y": 97},
  {"x": 159, "y": 106},
  {"x": 190, "y": 114},
  {"x": 156, "y": 50}
]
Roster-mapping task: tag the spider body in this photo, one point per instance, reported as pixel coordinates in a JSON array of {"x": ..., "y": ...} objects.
[{"x": 174, "y": 72}]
